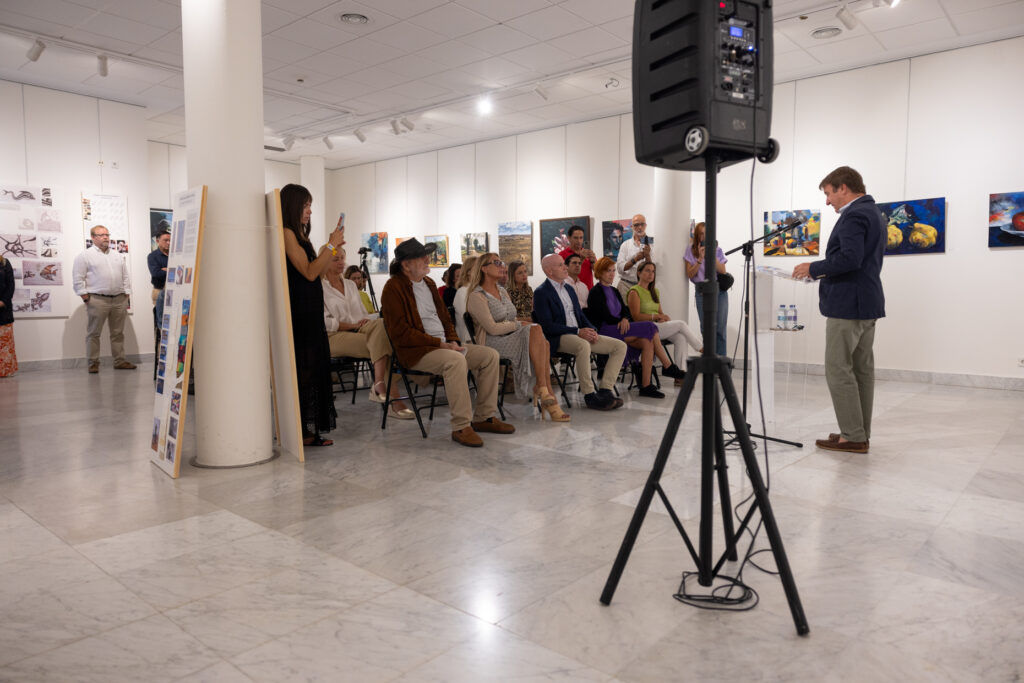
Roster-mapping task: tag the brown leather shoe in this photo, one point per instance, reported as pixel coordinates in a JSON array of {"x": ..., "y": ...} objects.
[
  {"x": 843, "y": 446},
  {"x": 94, "y": 368},
  {"x": 835, "y": 437},
  {"x": 125, "y": 365},
  {"x": 493, "y": 425},
  {"x": 467, "y": 437}
]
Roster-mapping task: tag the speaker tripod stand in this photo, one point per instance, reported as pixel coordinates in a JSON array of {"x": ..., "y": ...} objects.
[{"x": 716, "y": 373}]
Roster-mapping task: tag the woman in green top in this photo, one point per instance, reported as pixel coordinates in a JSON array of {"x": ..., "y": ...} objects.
[{"x": 645, "y": 304}]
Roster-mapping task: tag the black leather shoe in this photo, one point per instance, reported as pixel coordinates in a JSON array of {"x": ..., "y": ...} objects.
[
  {"x": 674, "y": 371},
  {"x": 650, "y": 391},
  {"x": 609, "y": 396},
  {"x": 595, "y": 401}
]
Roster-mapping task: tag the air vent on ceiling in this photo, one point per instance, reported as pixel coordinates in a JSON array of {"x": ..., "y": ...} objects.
[{"x": 826, "y": 32}]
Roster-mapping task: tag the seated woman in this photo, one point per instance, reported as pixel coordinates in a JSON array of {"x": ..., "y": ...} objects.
[
  {"x": 448, "y": 289},
  {"x": 494, "y": 316},
  {"x": 606, "y": 310},
  {"x": 644, "y": 303},
  {"x": 459, "y": 300},
  {"x": 355, "y": 274},
  {"x": 520, "y": 292},
  {"x": 350, "y": 333}
]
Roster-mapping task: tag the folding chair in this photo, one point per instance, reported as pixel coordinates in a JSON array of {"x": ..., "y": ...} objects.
[
  {"x": 396, "y": 368},
  {"x": 505, "y": 363},
  {"x": 354, "y": 367}
]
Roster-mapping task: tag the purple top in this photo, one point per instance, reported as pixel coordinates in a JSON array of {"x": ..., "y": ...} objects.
[
  {"x": 690, "y": 258},
  {"x": 614, "y": 307}
]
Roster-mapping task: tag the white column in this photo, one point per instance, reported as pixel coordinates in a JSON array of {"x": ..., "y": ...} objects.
[
  {"x": 311, "y": 175},
  {"x": 670, "y": 227},
  {"x": 221, "y": 42}
]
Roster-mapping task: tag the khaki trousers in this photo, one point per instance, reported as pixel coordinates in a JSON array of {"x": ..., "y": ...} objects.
[
  {"x": 483, "y": 361},
  {"x": 579, "y": 347},
  {"x": 623, "y": 288},
  {"x": 680, "y": 334},
  {"x": 370, "y": 341},
  {"x": 99, "y": 309},
  {"x": 850, "y": 374}
]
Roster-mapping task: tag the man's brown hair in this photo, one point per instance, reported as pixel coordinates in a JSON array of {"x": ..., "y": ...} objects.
[{"x": 844, "y": 175}]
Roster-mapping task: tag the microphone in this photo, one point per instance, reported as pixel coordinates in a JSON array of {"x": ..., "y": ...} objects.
[
  {"x": 791, "y": 223},
  {"x": 365, "y": 250}
]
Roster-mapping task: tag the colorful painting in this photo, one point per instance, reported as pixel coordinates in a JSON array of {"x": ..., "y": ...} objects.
[
  {"x": 916, "y": 226},
  {"x": 438, "y": 259},
  {"x": 554, "y": 233},
  {"x": 800, "y": 241},
  {"x": 614, "y": 234},
  {"x": 377, "y": 258},
  {"x": 475, "y": 244},
  {"x": 1006, "y": 219},
  {"x": 515, "y": 243},
  {"x": 159, "y": 220}
]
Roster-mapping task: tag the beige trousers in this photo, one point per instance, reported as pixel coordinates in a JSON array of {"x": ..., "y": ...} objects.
[
  {"x": 99, "y": 309},
  {"x": 577, "y": 346},
  {"x": 484, "y": 362},
  {"x": 370, "y": 341}
]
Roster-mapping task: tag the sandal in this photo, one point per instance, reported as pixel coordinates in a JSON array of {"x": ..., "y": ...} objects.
[
  {"x": 548, "y": 404},
  {"x": 316, "y": 441},
  {"x": 374, "y": 396}
]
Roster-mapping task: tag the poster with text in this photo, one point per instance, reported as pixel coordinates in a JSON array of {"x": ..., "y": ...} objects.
[{"x": 174, "y": 353}]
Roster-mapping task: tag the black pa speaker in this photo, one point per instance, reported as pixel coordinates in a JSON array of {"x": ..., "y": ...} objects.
[{"x": 702, "y": 79}]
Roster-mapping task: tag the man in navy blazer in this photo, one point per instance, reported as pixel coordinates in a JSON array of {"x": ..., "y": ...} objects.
[
  {"x": 851, "y": 299},
  {"x": 557, "y": 310}
]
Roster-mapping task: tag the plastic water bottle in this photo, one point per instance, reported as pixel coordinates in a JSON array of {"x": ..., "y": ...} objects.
[
  {"x": 780, "y": 318},
  {"x": 791, "y": 317}
]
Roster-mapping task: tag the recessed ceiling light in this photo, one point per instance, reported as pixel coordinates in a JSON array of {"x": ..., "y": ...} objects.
[
  {"x": 826, "y": 32},
  {"x": 484, "y": 105},
  {"x": 353, "y": 18}
]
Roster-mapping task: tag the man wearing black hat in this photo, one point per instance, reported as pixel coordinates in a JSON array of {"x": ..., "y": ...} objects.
[
  {"x": 425, "y": 339},
  {"x": 157, "y": 262}
]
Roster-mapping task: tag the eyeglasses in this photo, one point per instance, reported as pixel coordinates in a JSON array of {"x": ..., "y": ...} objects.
[
  {"x": 495, "y": 262},
  {"x": 102, "y": 234},
  {"x": 639, "y": 225}
]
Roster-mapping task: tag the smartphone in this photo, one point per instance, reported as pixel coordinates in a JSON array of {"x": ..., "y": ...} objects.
[{"x": 341, "y": 221}]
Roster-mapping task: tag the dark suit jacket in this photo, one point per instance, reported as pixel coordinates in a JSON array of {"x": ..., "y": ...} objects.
[
  {"x": 403, "y": 322},
  {"x": 550, "y": 315},
  {"x": 851, "y": 282}
]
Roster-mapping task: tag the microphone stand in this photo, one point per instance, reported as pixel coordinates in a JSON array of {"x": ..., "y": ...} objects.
[
  {"x": 748, "y": 254},
  {"x": 366, "y": 277}
]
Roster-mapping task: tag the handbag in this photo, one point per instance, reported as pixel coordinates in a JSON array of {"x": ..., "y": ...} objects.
[{"x": 725, "y": 281}]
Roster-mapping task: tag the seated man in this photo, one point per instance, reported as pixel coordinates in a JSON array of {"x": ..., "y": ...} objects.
[
  {"x": 424, "y": 339},
  {"x": 573, "y": 262},
  {"x": 557, "y": 309}
]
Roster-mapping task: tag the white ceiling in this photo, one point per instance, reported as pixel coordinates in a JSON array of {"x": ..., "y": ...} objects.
[{"x": 429, "y": 60}]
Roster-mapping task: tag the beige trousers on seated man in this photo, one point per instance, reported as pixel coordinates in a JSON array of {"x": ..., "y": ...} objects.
[
  {"x": 579, "y": 347},
  {"x": 369, "y": 341},
  {"x": 484, "y": 362}
]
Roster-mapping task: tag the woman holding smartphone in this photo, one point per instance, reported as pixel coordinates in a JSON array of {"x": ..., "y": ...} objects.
[{"x": 306, "y": 296}]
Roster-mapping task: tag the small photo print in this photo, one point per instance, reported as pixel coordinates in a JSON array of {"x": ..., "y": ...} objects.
[
  {"x": 167, "y": 321},
  {"x": 188, "y": 275},
  {"x": 161, "y": 369},
  {"x": 48, "y": 273},
  {"x": 160, "y": 383},
  {"x": 168, "y": 298},
  {"x": 156, "y": 434},
  {"x": 48, "y": 220},
  {"x": 13, "y": 245},
  {"x": 172, "y": 428},
  {"x": 170, "y": 450},
  {"x": 163, "y": 352},
  {"x": 176, "y": 402},
  {"x": 49, "y": 246},
  {"x": 170, "y": 276},
  {"x": 163, "y": 335}
]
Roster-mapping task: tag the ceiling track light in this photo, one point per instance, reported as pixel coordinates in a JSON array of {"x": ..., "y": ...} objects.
[
  {"x": 541, "y": 92},
  {"x": 287, "y": 142},
  {"x": 484, "y": 105},
  {"x": 35, "y": 50},
  {"x": 102, "y": 65},
  {"x": 360, "y": 135},
  {"x": 327, "y": 142},
  {"x": 395, "y": 128},
  {"x": 407, "y": 123},
  {"x": 848, "y": 18}
]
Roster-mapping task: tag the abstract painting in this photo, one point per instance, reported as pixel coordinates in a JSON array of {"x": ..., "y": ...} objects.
[
  {"x": 377, "y": 259},
  {"x": 614, "y": 234},
  {"x": 18, "y": 246},
  {"x": 515, "y": 243},
  {"x": 554, "y": 233},
  {"x": 43, "y": 272},
  {"x": 800, "y": 241},
  {"x": 439, "y": 257},
  {"x": 1006, "y": 219},
  {"x": 474, "y": 244},
  {"x": 915, "y": 226}
]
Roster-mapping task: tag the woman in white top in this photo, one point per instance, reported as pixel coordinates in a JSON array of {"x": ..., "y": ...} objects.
[
  {"x": 459, "y": 304},
  {"x": 351, "y": 333}
]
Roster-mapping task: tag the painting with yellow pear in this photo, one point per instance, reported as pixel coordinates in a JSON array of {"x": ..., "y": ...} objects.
[
  {"x": 915, "y": 226},
  {"x": 802, "y": 240}
]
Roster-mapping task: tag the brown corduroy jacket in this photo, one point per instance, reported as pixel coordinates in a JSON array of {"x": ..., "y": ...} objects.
[{"x": 403, "y": 322}]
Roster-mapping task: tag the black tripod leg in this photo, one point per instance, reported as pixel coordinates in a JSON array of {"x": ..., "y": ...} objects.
[
  {"x": 650, "y": 487},
  {"x": 708, "y": 437},
  {"x": 761, "y": 498},
  {"x": 723, "y": 485}
]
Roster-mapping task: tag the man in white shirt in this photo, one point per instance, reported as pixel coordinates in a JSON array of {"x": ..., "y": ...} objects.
[
  {"x": 574, "y": 262},
  {"x": 100, "y": 277},
  {"x": 631, "y": 254}
]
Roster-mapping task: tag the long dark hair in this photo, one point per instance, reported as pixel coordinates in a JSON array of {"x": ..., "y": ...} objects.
[
  {"x": 512, "y": 268},
  {"x": 293, "y": 202},
  {"x": 650, "y": 287},
  {"x": 447, "y": 277}
]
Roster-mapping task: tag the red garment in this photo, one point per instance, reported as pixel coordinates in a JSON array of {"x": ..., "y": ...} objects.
[
  {"x": 8, "y": 359},
  {"x": 586, "y": 274}
]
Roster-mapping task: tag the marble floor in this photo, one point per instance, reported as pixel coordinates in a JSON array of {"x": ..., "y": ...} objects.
[{"x": 392, "y": 558}]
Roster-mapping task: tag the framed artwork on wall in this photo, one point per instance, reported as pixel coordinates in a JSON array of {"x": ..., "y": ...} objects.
[
  {"x": 614, "y": 233},
  {"x": 475, "y": 244},
  {"x": 915, "y": 226},
  {"x": 438, "y": 259},
  {"x": 515, "y": 243},
  {"x": 801, "y": 241},
  {"x": 377, "y": 243},
  {"x": 1006, "y": 219},
  {"x": 554, "y": 233}
]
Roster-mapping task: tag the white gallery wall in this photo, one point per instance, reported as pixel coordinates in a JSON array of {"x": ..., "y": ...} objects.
[{"x": 924, "y": 127}]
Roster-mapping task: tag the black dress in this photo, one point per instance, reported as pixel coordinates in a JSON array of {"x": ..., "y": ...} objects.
[{"x": 312, "y": 352}]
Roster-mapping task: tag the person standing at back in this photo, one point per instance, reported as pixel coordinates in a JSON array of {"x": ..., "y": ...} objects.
[
  {"x": 850, "y": 297},
  {"x": 100, "y": 277}
]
